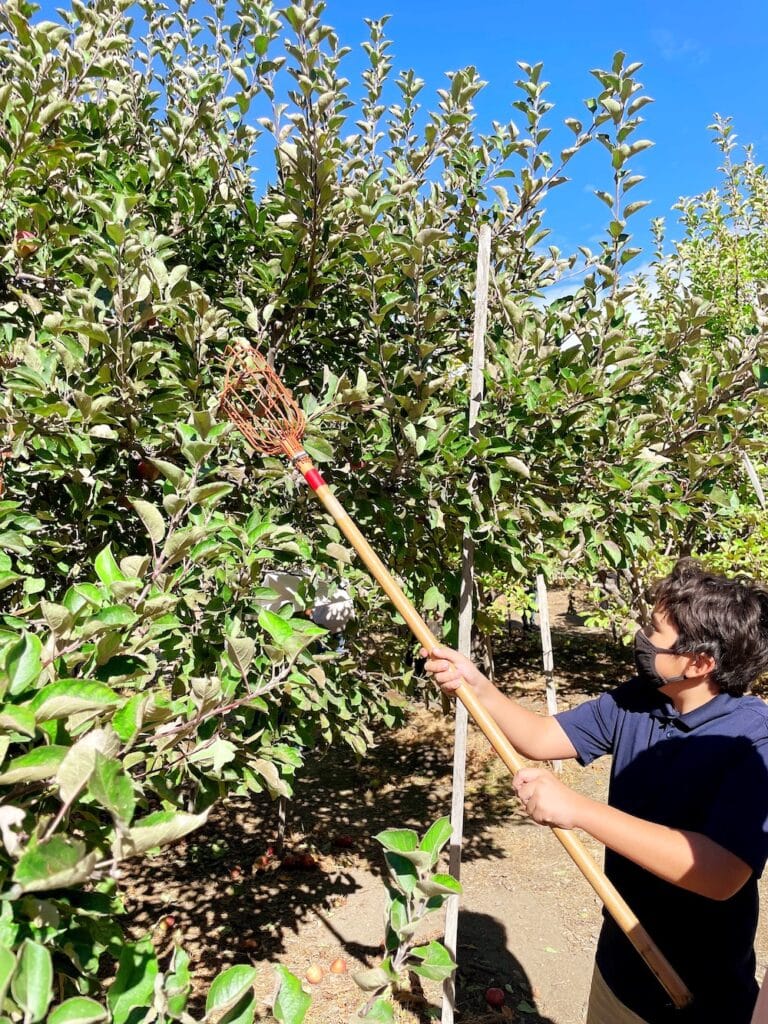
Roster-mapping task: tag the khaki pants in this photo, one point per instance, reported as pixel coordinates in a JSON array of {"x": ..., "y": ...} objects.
[
  {"x": 760, "y": 1016},
  {"x": 605, "y": 1008}
]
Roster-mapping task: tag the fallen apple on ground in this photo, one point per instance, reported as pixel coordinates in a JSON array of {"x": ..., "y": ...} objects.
[{"x": 495, "y": 997}]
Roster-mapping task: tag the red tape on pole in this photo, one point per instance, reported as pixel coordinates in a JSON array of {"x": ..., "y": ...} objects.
[{"x": 314, "y": 479}]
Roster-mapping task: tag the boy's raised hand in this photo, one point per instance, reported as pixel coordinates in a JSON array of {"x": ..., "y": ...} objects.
[{"x": 451, "y": 669}]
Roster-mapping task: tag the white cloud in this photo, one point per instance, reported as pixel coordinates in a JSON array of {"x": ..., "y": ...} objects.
[{"x": 676, "y": 48}]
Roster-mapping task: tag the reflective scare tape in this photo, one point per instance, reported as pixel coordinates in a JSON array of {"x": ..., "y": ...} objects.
[{"x": 314, "y": 479}]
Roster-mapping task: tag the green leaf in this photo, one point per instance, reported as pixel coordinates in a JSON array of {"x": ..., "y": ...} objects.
[
  {"x": 128, "y": 720},
  {"x": 419, "y": 858},
  {"x": 69, "y": 697},
  {"x": 57, "y": 863},
  {"x": 276, "y": 785},
  {"x": 242, "y": 1012},
  {"x": 179, "y": 543},
  {"x": 78, "y": 1010},
  {"x": 215, "y": 754},
  {"x": 113, "y": 789},
  {"x": 398, "y": 840},
  {"x": 403, "y": 870},
  {"x": 278, "y": 628},
  {"x": 58, "y": 617},
  {"x": 631, "y": 208},
  {"x": 7, "y": 967},
  {"x": 197, "y": 452},
  {"x": 32, "y": 984},
  {"x": 382, "y": 1012},
  {"x": 433, "y": 961},
  {"x": 318, "y": 448},
  {"x": 22, "y": 663},
  {"x": 115, "y": 616},
  {"x": 241, "y": 650},
  {"x": 178, "y": 983},
  {"x": 175, "y": 474},
  {"x": 436, "y": 837},
  {"x": 131, "y": 993},
  {"x": 429, "y": 235},
  {"x": 78, "y": 764},
  {"x": 41, "y": 763},
  {"x": 229, "y": 987},
  {"x": 17, "y": 719},
  {"x": 152, "y": 519},
  {"x": 207, "y": 492},
  {"x": 161, "y": 828},
  {"x": 106, "y": 567},
  {"x": 292, "y": 1002},
  {"x": 439, "y": 885},
  {"x": 339, "y": 552},
  {"x": 372, "y": 979},
  {"x": 517, "y": 466}
]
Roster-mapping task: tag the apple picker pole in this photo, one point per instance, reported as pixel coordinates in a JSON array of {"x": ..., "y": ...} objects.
[{"x": 263, "y": 409}]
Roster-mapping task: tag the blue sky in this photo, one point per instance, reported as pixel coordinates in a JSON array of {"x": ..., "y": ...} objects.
[{"x": 699, "y": 58}]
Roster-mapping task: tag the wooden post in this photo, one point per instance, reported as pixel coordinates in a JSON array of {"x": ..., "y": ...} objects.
[
  {"x": 754, "y": 479},
  {"x": 465, "y": 622},
  {"x": 542, "y": 599}
]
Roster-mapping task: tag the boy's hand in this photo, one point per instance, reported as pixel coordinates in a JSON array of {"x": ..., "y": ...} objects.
[
  {"x": 451, "y": 669},
  {"x": 546, "y": 799}
]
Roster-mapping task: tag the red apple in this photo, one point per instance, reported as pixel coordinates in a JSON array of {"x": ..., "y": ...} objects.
[
  {"x": 495, "y": 997},
  {"x": 25, "y": 243},
  {"x": 147, "y": 471}
]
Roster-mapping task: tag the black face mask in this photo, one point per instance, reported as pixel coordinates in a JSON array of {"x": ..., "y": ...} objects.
[{"x": 645, "y": 661}]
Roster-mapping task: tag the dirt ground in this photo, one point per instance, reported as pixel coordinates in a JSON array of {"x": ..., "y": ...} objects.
[{"x": 528, "y": 921}]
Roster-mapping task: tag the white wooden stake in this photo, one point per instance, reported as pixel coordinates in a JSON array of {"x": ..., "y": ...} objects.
[
  {"x": 754, "y": 478},
  {"x": 465, "y": 621},
  {"x": 542, "y": 601}
]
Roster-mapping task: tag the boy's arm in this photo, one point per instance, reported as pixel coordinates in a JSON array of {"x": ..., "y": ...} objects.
[
  {"x": 537, "y": 737},
  {"x": 688, "y": 859}
]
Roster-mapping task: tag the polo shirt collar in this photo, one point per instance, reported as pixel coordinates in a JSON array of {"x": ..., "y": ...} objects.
[{"x": 717, "y": 707}]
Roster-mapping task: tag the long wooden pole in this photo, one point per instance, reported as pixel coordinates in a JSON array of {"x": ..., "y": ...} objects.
[
  {"x": 466, "y": 618},
  {"x": 614, "y": 903}
]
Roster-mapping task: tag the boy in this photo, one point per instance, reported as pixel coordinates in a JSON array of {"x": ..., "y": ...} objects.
[{"x": 686, "y": 824}]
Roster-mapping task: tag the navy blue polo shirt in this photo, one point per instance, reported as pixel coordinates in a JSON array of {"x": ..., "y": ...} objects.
[{"x": 705, "y": 771}]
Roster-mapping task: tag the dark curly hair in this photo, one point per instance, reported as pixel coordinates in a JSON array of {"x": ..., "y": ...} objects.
[{"x": 725, "y": 618}]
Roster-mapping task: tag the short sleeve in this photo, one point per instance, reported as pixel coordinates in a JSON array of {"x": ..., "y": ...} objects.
[
  {"x": 591, "y": 727},
  {"x": 738, "y": 819}
]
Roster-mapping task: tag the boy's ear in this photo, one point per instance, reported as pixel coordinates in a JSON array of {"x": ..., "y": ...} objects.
[{"x": 702, "y": 664}]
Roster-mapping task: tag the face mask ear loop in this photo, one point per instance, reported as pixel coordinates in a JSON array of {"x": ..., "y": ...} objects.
[{"x": 673, "y": 679}]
